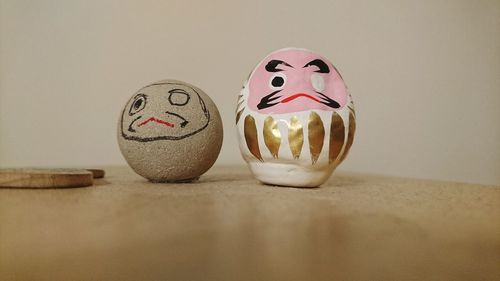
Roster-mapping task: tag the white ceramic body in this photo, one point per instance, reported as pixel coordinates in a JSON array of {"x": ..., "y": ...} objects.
[{"x": 319, "y": 154}]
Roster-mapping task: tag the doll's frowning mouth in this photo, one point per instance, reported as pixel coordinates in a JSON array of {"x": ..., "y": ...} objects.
[{"x": 298, "y": 95}]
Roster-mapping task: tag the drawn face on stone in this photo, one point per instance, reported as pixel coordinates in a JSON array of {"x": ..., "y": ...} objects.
[
  {"x": 293, "y": 80},
  {"x": 164, "y": 111}
]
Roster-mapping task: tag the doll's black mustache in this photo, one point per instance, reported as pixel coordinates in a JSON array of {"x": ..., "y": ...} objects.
[
  {"x": 268, "y": 100},
  {"x": 328, "y": 101}
]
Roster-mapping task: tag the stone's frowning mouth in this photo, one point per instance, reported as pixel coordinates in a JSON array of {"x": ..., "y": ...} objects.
[
  {"x": 159, "y": 121},
  {"x": 298, "y": 95}
]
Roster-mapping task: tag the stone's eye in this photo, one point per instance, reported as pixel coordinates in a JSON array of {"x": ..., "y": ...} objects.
[
  {"x": 138, "y": 104},
  {"x": 277, "y": 81},
  {"x": 178, "y": 97},
  {"x": 318, "y": 82}
]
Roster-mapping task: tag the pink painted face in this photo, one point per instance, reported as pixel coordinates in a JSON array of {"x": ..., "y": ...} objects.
[{"x": 293, "y": 80}]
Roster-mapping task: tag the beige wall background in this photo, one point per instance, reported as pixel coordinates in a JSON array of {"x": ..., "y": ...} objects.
[{"x": 424, "y": 75}]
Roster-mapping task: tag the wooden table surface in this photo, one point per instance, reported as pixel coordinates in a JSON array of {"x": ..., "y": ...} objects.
[{"x": 227, "y": 226}]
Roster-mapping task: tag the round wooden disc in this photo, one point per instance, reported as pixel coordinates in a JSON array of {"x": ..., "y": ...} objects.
[
  {"x": 45, "y": 178},
  {"x": 97, "y": 173}
]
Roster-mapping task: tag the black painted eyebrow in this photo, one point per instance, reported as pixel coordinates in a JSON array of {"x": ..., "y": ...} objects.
[
  {"x": 323, "y": 67},
  {"x": 271, "y": 66}
]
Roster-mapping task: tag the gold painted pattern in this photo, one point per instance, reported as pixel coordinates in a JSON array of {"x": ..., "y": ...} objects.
[
  {"x": 272, "y": 136},
  {"x": 295, "y": 137},
  {"x": 337, "y": 135},
  {"x": 251, "y": 137},
  {"x": 316, "y": 135},
  {"x": 350, "y": 136}
]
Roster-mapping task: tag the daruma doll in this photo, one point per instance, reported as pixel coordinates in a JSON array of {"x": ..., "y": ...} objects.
[{"x": 295, "y": 119}]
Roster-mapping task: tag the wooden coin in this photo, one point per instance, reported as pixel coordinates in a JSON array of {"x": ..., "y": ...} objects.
[
  {"x": 97, "y": 173},
  {"x": 45, "y": 178}
]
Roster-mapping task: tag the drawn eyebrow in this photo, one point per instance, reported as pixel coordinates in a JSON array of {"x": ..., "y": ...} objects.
[
  {"x": 271, "y": 65},
  {"x": 178, "y": 91},
  {"x": 323, "y": 67}
]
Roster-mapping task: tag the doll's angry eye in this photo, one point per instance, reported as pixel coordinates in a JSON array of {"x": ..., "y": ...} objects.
[
  {"x": 178, "y": 97},
  {"x": 277, "y": 81},
  {"x": 138, "y": 104}
]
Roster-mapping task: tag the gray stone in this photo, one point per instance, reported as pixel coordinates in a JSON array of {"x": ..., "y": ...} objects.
[{"x": 170, "y": 131}]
